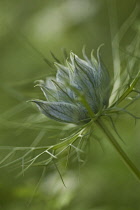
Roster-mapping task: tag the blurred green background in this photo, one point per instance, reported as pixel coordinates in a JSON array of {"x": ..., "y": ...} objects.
[{"x": 29, "y": 30}]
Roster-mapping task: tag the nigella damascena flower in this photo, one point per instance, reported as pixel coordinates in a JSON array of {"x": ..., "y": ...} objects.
[{"x": 80, "y": 91}]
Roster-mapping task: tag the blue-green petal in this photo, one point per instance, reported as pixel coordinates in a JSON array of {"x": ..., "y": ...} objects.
[{"x": 63, "y": 112}]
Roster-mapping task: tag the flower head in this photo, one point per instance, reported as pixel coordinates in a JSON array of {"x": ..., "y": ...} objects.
[{"x": 79, "y": 92}]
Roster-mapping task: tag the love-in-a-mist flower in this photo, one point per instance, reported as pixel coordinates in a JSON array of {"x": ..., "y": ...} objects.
[{"x": 80, "y": 91}]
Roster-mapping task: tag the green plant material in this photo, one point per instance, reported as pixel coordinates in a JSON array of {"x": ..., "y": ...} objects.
[
  {"x": 81, "y": 93},
  {"x": 81, "y": 96},
  {"x": 119, "y": 149}
]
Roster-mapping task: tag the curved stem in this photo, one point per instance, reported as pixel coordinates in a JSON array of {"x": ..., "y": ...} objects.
[
  {"x": 128, "y": 90},
  {"x": 119, "y": 149}
]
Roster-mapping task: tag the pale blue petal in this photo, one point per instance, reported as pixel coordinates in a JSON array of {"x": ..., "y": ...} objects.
[
  {"x": 62, "y": 73},
  {"x": 64, "y": 93},
  {"x": 50, "y": 94},
  {"x": 63, "y": 112},
  {"x": 83, "y": 81},
  {"x": 103, "y": 80}
]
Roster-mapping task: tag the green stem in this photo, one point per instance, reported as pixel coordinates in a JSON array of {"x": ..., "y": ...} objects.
[
  {"x": 119, "y": 149},
  {"x": 128, "y": 90}
]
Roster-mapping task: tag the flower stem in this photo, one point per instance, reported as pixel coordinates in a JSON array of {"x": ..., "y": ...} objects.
[{"x": 119, "y": 149}]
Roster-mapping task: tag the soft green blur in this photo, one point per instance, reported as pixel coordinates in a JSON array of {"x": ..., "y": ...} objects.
[{"x": 29, "y": 30}]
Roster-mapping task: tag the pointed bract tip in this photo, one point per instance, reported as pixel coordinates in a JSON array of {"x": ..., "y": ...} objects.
[{"x": 98, "y": 51}]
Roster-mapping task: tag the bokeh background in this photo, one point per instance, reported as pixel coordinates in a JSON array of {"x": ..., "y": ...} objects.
[{"x": 29, "y": 31}]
